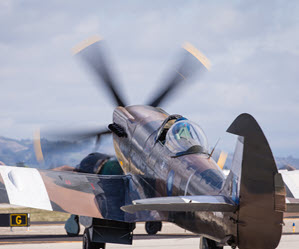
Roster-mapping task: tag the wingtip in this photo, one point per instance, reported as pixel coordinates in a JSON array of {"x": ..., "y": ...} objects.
[
  {"x": 127, "y": 209},
  {"x": 197, "y": 54},
  {"x": 84, "y": 44}
]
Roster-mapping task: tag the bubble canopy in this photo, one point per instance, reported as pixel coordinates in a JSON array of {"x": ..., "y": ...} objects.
[{"x": 185, "y": 135}]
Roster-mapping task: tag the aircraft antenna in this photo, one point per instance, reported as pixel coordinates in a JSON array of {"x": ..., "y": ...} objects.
[{"x": 210, "y": 155}]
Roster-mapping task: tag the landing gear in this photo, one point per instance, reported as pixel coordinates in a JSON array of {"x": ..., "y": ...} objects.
[
  {"x": 72, "y": 226},
  {"x": 87, "y": 244},
  {"x": 206, "y": 243},
  {"x": 98, "y": 232},
  {"x": 152, "y": 227}
]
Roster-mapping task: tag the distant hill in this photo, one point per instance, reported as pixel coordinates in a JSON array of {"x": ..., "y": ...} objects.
[
  {"x": 287, "y": 161},
  {"x": 281, "y": 162},
  {"x": 58, "y": 153},
  {"x": 13, "y": 151}
]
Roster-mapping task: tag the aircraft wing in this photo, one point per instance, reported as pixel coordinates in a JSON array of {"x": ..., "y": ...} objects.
[
  {"x": 183, "y": 204},
  {"x": 291, "y": 180},
  {"x": 76, "y": 193}
]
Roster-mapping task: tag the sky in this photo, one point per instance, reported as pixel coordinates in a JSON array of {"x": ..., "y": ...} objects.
[{"x": 253, "y": 47}]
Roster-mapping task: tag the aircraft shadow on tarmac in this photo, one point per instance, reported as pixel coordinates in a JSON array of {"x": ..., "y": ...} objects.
[{"x": 53, "y": 238}]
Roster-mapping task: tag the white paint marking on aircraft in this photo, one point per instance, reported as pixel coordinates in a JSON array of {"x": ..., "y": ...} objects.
[
  {"x": 25, "y": 187},
  {"x": 291, "y": 179}
]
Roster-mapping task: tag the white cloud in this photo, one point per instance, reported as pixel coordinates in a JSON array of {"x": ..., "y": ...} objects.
[{"x": 253, "y": 48}]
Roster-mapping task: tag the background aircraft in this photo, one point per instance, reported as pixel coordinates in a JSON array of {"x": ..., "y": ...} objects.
[{"x": 169, "y": 175}]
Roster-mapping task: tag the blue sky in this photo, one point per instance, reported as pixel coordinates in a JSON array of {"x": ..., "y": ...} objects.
[{"x": 253, "y": 47}]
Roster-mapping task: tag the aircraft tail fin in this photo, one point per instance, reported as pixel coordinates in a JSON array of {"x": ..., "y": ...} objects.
[{"x": 255, "y": 184}]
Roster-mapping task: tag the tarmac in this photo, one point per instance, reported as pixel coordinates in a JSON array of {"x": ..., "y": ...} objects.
[{"x": 52, "y": 235}]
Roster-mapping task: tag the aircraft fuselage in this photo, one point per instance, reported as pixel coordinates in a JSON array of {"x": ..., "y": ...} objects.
[{"x": 145, "y": 154}]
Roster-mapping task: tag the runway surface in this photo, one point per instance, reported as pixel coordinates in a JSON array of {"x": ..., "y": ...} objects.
[{"x": 53, "y": 236}]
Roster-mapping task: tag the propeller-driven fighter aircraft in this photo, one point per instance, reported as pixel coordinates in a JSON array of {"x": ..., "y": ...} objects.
[{"x": 167, "y": 174}]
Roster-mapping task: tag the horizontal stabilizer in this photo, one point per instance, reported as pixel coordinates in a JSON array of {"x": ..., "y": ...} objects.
[{"x": 183, "y": 204}]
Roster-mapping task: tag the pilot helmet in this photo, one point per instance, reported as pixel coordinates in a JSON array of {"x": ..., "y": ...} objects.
[{"x": 181, "y": 129}]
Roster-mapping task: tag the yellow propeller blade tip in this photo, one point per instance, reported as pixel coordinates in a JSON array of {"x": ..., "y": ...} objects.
[
  {"x": 84, "y": 44},
  {"x": 197, "y": 54},
  {"x": 222, "y": 159},
  {"x": 37, "y": 146}
]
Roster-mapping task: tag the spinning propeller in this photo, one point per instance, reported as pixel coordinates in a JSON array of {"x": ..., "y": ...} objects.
[{"x": 92, "y": 51}]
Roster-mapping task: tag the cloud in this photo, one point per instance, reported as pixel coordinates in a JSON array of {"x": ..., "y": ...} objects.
[{"x": 253, "y": 47}]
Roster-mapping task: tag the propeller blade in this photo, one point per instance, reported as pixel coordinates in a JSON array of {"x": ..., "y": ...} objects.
[
  {"x": 64, "y": 140},
  {"x": 222, "y": 159},
  {"x": 92, "y": 52},
  {"x": 77, "y": 135},
  {"x": 192, "y": 63},
  {"x": 37, "y": 146}
]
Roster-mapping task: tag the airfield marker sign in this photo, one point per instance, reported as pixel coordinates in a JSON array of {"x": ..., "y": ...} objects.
[{"x": 15, "y": 220}]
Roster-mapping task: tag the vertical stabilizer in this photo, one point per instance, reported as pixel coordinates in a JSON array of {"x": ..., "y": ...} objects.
[{"x": 255, "y": 184}]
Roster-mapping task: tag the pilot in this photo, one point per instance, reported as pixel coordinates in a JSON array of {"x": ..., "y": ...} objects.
[
  {"x": 181, "y": 130},
  {"x": 184, "y": 136}
]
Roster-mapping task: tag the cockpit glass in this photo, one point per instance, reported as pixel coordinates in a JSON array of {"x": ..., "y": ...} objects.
[{"x": 185, "y": 134}]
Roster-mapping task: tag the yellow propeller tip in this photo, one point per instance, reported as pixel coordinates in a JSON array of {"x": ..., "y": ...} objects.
[
  {"x": 84, "y": 44},
  {"x": 197, "y": 54},
  {"x": 222, "y": 159},
  {"x": 37, "y": 146}
]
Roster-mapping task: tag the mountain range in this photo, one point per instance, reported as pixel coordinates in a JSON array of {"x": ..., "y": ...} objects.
[{"x": 58, "y": 153}]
